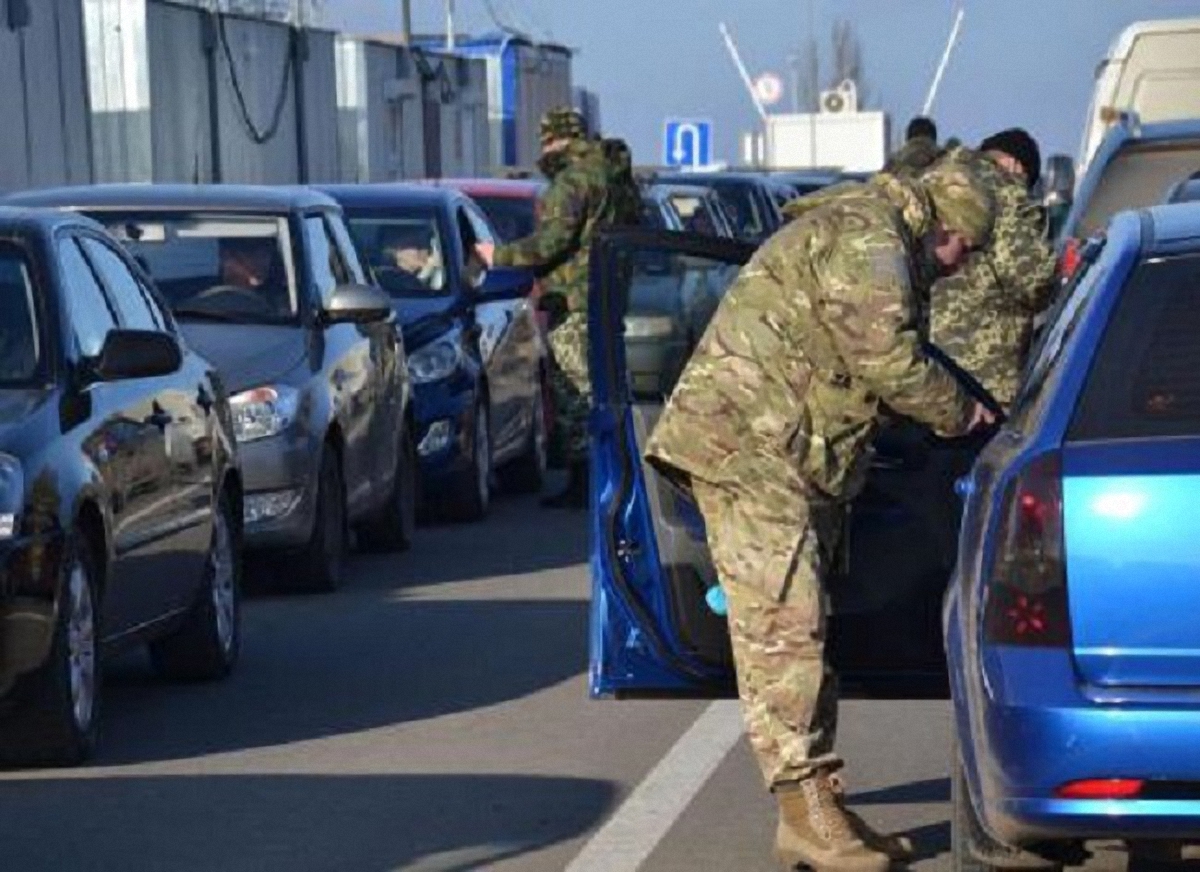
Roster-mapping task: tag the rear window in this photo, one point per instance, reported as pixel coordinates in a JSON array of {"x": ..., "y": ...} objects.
[
  {"x": 1139, "y": 176},
  {"x": 1145, "y": 376}
]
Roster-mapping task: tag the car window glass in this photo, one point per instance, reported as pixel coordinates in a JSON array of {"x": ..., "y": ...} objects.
[
  {"x": 90, "y": 314},
  {"x": 154, "y": 302},
  {"x": 479, "y": 224},
  {"x": 669, "y": 299},
  {"x": 1144, "y": 380},
  {"x": 20, "y": 342},
  {"x": 235, "y": 268},
  {"x": 403, "y": 252},
  {"x": 132, "y": 309},
  {"x": 1046, "y": 355},
  {"x": 512, "y": 217},
  {"x": 328, "y": 271},
  {"x": 346, "y": 251}
]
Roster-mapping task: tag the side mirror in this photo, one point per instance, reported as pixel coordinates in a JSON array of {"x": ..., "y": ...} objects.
[
  {"x": 130, "y": 354},
  {"x": 504, "y": 283},
  {"x": 358, "y": 304},
  {"x": 1059, "y": 180}
]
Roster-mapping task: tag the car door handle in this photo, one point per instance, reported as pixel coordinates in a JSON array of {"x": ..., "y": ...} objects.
[{"x": 159, "y": 420}]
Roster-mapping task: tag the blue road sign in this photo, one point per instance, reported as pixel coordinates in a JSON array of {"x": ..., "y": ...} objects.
[{"x": 688, "y": 144}]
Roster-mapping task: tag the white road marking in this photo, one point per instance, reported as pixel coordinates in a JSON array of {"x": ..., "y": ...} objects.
[{"x": 629, "y": 837}]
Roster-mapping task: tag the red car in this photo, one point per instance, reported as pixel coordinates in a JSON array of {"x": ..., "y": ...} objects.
[{"x": 511, "y": 207}]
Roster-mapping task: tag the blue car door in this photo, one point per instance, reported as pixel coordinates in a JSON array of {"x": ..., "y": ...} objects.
[{"x": 652, "y": 631}]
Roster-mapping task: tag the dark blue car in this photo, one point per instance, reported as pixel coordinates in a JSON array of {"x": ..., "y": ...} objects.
[
  {"x": 1071, "y": 624},
  {"x": 475, "y": 350},
  {"x": 652, "y": 631}
]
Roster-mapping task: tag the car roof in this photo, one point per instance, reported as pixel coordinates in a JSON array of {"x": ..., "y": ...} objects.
[
  {"x": 27, "y": 220},
  {"x": 684, "y": 178},
  {"x": 1174, "y": 226},
  {"x": 517, "y": 189},
  {"x": 1158, "y": 131},
  {"x": 391, "y": 194},
  {"x": 240, "y": 198},
  {"x": 682, "y": 188}
]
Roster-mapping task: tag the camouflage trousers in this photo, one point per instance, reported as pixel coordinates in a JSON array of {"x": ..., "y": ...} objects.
[
  {"x": 771, "y": 549},
  {"x": 570, "y": 387}
]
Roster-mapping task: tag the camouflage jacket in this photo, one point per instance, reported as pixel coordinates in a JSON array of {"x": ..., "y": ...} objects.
[
  {"x": 580, "y": 200},
  {"x": 982, "y": 316},
  {"x": 625, "y": 185},
  {"x": 815, "y": 336},
  {"x": 913, "y": 158}
]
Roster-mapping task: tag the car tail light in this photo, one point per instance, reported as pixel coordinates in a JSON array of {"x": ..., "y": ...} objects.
[
  {"x": 1026, "y": 594},
  {"x": 1101, "y": 788},
  {"x": 1072, "y": 255}
]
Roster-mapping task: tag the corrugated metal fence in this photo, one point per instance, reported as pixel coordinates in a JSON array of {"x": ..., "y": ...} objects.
[
  {"x": 169, "y": 91},
  {"x": 43, "y": 103}
]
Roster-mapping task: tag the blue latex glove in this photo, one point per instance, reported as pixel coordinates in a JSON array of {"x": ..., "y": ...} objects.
[{"x": 716, "y": 600}]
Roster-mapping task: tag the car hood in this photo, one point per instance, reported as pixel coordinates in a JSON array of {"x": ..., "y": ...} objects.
[{"x": 248, "y": 355}]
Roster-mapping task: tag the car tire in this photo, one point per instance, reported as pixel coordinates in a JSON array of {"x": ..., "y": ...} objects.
[
  {"x": 206, "y": 646},
  {"x": 55, "y": 724},
  {"x": 323, "y": 559},
  {"x": 968, "y": 838},
  {"x": 527, "y": 474},
  {"x": 393, "y": 529},
  {"x": 472, "y": 497}
]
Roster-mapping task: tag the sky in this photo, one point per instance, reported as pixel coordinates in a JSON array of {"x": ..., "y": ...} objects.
[{"x": 1027, "y": 63}]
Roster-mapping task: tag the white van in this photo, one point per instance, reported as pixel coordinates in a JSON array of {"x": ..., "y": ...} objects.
[{"x": 1152, "y": 70}]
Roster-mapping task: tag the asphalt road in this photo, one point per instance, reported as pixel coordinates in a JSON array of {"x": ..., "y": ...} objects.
[{"x": 433, "y": 715}]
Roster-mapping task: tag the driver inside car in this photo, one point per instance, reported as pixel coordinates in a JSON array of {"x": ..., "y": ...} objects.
[
  {"x": 415, "y": 251},
  {"x": 252, "y": 264}
]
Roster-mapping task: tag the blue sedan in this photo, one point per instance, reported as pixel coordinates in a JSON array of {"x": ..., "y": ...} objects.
[
  {"x": 1071, "y": 621},
  {"x": 475, "y": 349}
]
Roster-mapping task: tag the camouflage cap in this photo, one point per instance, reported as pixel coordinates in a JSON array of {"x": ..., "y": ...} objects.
[
  {"x": 563, "y": 123},
  {"x": 962, "y": 202}
]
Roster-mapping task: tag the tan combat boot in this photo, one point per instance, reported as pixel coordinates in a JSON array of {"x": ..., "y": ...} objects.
[
  {"x": 814, "y": 831},
  {"x": 899, "y": 848}
]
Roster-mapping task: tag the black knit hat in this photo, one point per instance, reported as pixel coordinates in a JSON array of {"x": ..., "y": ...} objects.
[
  {"x": 921, "y": 126},
  {"x": 1018, "y": 144}
]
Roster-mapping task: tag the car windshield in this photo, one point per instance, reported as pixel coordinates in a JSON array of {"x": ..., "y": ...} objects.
[
  {"x": 511, "y": 217},
  {"x": 19, "y": 345},
  {"x": 214, "y": 266},
  {"x": 405, "y": 250},
  {"x": 1140, "y": 175}
]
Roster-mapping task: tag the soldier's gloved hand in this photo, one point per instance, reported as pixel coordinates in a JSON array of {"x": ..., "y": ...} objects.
[{"x": 981, "y": 418}]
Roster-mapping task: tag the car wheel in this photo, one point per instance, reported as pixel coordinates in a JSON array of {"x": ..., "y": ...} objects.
[
  {"x": 206, "y": 646},
  {"x": 323, "y": 560},
  {"x": 527, "y": 474},
  {"x": 473, "y": 496},
  {"x": 393, "y": 529},
  {"x": 56, "y": 721},
  {"x": 968, "y": 839}
]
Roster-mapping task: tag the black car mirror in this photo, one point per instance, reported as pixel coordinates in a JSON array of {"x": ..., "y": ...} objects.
[
  {"x": 130, "y": 354},
  {"x": 1058, "y": 183},
  {"x": 358, "y": 304},
  {"x": 504, "y": 283}
]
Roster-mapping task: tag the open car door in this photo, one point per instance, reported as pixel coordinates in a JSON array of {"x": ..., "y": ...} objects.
[{"x": 652, "y": 631}]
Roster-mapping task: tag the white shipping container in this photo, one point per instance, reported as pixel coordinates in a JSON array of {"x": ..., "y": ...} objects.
[{"x": 852, "y": 141}]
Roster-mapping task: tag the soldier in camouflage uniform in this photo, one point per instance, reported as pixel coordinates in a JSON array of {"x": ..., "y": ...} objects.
[
  {"x": 585, "y": 195},
  {"x": 919, "y": 151},
  {"x": 770, "y": 427},
  {"x": 983, "y": 316}
]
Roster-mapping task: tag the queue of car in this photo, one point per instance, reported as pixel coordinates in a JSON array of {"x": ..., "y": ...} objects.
[{"x": 190, "y": 372}]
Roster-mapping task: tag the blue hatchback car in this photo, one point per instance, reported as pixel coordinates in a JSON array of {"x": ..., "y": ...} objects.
[
  {"x": 652, "y": 631},
  {"x": 475, "y": 350},
  {"x": 1071, "y": 623}
]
